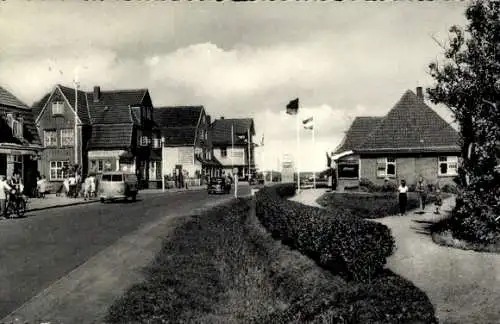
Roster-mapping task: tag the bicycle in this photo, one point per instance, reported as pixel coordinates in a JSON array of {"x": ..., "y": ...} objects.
[{"x": 16, "y": 205}]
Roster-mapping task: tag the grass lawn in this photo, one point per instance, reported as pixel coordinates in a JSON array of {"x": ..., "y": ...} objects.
[
  {"x": 370, "y": 205},
  {"x": 221, "y": 267}
]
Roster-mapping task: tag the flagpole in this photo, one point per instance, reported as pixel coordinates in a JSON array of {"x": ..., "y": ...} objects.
[
  {"x": 314, "y": 145},
  {"x": 235, "y": 177},
  {"x": 298, "y": 151}
]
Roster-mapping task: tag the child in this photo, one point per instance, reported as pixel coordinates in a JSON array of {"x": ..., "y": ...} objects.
[{"x": 439, "y": 200}]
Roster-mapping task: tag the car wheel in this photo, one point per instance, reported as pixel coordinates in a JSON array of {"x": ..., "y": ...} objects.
[
  {"x": 102, "y": 200},
  {"x": 134, "y": 197}
]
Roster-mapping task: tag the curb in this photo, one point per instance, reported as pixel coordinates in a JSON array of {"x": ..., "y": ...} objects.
[{"x": 28, "y": 210}]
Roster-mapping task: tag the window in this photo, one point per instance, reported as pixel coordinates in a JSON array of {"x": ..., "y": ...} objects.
[
  {"x": 386, "y": 167},
  {"x": 67, "y": 137},
  {"x": 58, "y": 170},
  {"x": 144, "y": 141},
  {"x": 156, "y": 143},
  {"x": 57, "y": 108},
  {"x": 17, "y": 128},
  {"x": 448, "y": 165},
  {"x": 223, "y": 152},
  {"x": 155, "y": 170},
  {"x": 49, "y": 138},
  {"x": 348, "y": 170}
]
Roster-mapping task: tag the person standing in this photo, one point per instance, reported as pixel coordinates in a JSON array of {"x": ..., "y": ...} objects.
[
  {"x": 439, "y": 199},
  {"x": 421, "y": 189},
  {"x": 72, "y": 186},
  {"x": 4, "y": 187},
  {"x": 403, "y": 197}
]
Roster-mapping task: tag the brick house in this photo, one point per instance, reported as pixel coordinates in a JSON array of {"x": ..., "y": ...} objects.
[
  {"x": 122, "y": 132},
  {"x": 187, "y": 141},
  {"x": 242, "y": 157},
  {"x": 55, "y": 119},
  {"x": 411, "y": 140},
  {"x": 114, "y": 131},
  {"x": 19, "y": 141}
]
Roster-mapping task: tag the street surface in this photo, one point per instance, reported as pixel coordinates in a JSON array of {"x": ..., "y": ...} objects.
[{"x": 38, "y": 250}]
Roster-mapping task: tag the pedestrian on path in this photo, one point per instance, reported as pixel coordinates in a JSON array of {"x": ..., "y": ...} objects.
[
  {"x": 403, "y": 197},
  {"x": 438, "y": 199},
  {"x": 4, "y": 188},
  {"x": 421, "y": 189}
]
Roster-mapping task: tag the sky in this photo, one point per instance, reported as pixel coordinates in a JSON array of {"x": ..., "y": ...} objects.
[{"x": 238, "y": 60}]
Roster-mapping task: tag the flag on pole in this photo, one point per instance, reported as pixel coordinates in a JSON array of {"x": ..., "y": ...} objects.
[
  {"x": 308, "y": 123},
  {"x": 293, "y": 107},
  {"x": 328, "y": 160}
]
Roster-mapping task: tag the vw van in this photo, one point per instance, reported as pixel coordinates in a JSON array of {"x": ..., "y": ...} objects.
[{"x": 118, "y": 185}]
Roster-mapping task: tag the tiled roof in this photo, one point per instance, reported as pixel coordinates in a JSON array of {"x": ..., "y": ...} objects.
[
  {"x": 180, "y": 116},
  {"x": 9, "y": 103},
  {"x": 112, "y": 136},
  {"x": 8, "y": 99},
  {"x": 410, "y": 126},
  {"x": 83, "y": 112},
  {"x": 37, "y": 107},
  {"x": 221, "y": 130},
  {"x": 179, "y": 136},
  {"x": 113, "y": 106},
  {"x": 359, "y": 131}
]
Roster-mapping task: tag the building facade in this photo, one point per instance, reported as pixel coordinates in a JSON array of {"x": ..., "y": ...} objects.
[
  {"x": 233, "y": 145},
  {"x": 20, "y": 145},
  {"x": 410, "y": 141},
  {"x": 187, "y": 145}
]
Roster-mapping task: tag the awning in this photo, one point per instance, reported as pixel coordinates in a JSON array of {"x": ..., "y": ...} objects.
[
  {"x": 109, "y": 154},
  {"x": 341, "y": 155},
  {"x": 13, "y": 149},
  {"x": 209, "y": 163}
]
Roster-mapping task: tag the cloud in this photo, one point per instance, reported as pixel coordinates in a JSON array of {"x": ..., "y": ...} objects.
[{"x": 238, "y": 60}]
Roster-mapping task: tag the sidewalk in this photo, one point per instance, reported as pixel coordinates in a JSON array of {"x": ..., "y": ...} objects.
[
  {"x": 85, "y": 294},
  {"x": 53, "y": 201},
  {"x": 464, "y": 286},
  {"x": 309, "y": 196}
]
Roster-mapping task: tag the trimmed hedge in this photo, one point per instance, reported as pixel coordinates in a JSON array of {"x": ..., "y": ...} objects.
[
  {"x": 389, "y": 299},
  {"x": 374, "y": 205},
  {"x": 349, "y": 246}
]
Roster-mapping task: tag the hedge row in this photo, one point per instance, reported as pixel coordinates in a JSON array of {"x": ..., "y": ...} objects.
[
  {"x": 389, "y": 299},
  {"x": 349, "y": 246}
]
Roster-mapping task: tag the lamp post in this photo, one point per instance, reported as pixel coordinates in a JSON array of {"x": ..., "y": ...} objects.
[{"x": 162, "y": 164}]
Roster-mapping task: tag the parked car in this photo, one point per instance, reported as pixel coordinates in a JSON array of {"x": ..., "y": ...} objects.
[
  {"x": 118, "y": 185},
  {"x": 219, "y": 185}
]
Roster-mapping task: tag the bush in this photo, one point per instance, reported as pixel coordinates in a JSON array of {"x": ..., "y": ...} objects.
[
  {"x": 367, "y": 185},
  {"x": 386, "y": 300},
  {"x": 349, "y": 246},
  {"x": 448, "y": 188}
]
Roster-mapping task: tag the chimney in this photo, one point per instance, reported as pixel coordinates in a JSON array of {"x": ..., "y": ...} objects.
[
  {"x": 97, "y": 93},
  {"x": 221, "y": 117},
  {"x": 420, "y": 93}
]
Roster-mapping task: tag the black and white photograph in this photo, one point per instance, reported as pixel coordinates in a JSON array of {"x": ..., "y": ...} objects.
[{"x": 255, "y": 162}]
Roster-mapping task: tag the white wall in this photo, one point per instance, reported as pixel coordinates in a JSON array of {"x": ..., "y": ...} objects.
[
  {"x": 171, "y": 156},
  {"x": 238, "y": 159}
]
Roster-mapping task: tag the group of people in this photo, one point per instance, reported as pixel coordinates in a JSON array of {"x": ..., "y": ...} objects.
[
  {"x": 422, "y": 189},
  {"x": 10, "y": 189},
  {"x": 75, "y": 187}
]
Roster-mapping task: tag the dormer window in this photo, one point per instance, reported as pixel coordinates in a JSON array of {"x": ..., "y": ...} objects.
[
  {"x": 16, "y": 125},
  {"x": 57, "y": 108}
]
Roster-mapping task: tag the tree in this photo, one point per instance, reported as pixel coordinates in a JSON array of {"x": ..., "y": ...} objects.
[{"x": 467, "y": 81}]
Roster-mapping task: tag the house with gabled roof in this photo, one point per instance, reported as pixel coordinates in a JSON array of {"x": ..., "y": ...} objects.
[
  {"x": 233, "y": 145},
  {"x": 412, "y": 140},
  {"x": 114, "y": 131},
  {"x": 19, "y": 141},
  {"x": 186, "y": 141},
  {"x": 55, "y": 116}
]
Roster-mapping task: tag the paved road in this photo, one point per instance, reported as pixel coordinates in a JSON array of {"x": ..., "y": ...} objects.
[{"x": 45, "y": 246}]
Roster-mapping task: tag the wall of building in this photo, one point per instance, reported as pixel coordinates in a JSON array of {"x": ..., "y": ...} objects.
[
  {"x": 184, "y": 156},
  {"x": 47, "y": 121},
  {"x": 408, "y": 168},
  {"x": 227, "y": 161}
]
